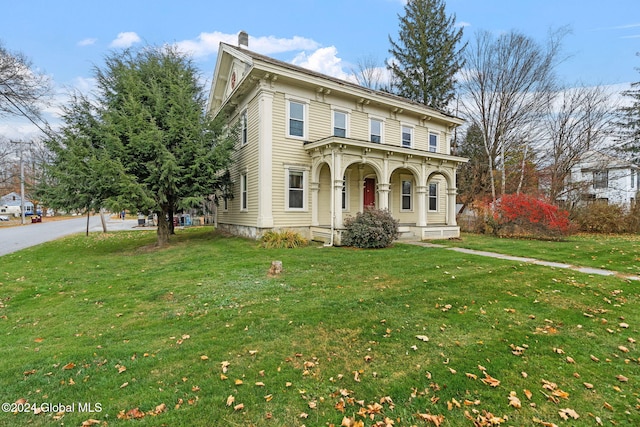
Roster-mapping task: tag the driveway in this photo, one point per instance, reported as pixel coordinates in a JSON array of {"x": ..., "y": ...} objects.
[{"x": 13, "y": 239}]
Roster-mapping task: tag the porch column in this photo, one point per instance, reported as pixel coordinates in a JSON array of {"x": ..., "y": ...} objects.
[
  {"x": 265, "y": 160},
  {"x": 421, "y": 199},
  {"x": 336, "y": 173},
  {"x": 451, "y": 206},
  {"x": 315, "y": 188},
  {"x": 383, "y": 195}
]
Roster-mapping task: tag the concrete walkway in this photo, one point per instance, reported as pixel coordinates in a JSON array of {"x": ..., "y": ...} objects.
[{"x": 586, "y": 270}]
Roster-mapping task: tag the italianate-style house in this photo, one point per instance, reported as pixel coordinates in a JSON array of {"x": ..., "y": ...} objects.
[{"x": 314, "y": 150}]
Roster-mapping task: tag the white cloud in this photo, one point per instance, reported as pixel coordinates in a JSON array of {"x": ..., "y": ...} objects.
[
  {"x": 87, "y": 42},
  {"x": 207, "y": 44},
  {"x": 125, "y": 40},
  {"x": 324, "y": 60},
  {"x": 463, "y": 24}
]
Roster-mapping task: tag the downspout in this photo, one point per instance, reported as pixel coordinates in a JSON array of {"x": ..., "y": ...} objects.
[{"x": 333, "y": 198}]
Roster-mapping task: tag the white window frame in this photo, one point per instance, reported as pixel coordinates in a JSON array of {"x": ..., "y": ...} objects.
[
  {"x": 601, "y": 179},
  {"x": 305, "y": 118},
  {"x": 346, "y": 122},
  {"x": 381, "y": 121},
  {"x": 402, "y": 133},
  {"x": 633, "y": 178},
  {"x": 244, "y": 192},
  {"x": 345, "y": 191},
  {"x": 403, "y": 195},
  {"x": 434, "y": 196},
  {"x": 434, "y": 148},
  {"x": 244, "y": 127},
  {"x": 288, "y": 170}
]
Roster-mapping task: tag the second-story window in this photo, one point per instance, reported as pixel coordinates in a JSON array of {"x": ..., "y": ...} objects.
[
  {"x": 601, "y": 179},
  {"x": 407, "y": 136},
  {"x": 340, "y": 124},
  {"x": 244, "y": 128},
  {"x": 376, "y": 130},
  {"x": 433, "y": 142},
  {"x": 296, "y": 119}
]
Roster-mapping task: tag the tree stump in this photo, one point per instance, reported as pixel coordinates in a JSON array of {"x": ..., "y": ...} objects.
[{"x": 276, "y": 268}]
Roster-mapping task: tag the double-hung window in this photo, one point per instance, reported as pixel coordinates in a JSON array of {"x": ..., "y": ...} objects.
[
  {"x": 406, "y": 195},
  {"x": 244, "y": 205},
  {"x": 375, "y": 126},
  {"x": 339, "y": 124},
  {"x": 433, "y": 142},
  {"x": 244, "y": 138},
  {"x": 295, "y": 198},
  {"x": 296, "y": 115},
  {"x": 601, "y": 179},
  {"x": 433, "y": 197},
  {"x": 407, "y": 136}
]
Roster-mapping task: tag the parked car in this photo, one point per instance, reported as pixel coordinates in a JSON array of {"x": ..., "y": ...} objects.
[{"x": 4, "y": 218}]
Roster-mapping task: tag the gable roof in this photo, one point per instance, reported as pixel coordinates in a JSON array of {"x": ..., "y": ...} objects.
[
  {"x": 261, "y": 66},
  {"x": 597, "y": 160}
]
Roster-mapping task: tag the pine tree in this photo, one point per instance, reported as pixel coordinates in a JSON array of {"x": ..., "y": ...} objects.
[{"x": 426, "y": 58}]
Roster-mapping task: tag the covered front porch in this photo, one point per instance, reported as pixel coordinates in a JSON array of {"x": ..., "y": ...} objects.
[{"x": 417, "y": 187}]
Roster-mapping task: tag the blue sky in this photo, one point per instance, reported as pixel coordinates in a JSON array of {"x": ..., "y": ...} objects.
[{"x": 67, "y": 38}]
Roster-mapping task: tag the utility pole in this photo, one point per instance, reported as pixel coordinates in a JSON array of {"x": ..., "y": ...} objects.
[{"x": 21, "y": 182}]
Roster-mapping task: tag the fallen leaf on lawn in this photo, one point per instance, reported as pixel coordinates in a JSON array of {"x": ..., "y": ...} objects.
[
  {"x": 567, "y": 412},
  {"x": 472, "y": 376},
  {"x": 622, "y": 378},
  {"x": 260, "y": 384},
  {"x": 528, "y": 394},
  {"x": 224, "y": 365},
  {"x": 524, "y": 374},
  {"x": 268, "y": 397},
  {"x": 624, "y": 325},
  {"x": 558, "y": 350},
  {"x": 631, "y": 340},
  {"x": 38, "y": 340},
  {"x": 203, "y": 357},
  {"x": 595, "y": 359},
  {"x": 453, "y": 371},
  {"x": 239, "y": 407},
  {"x": 623, "y": 349},
  {"x": 238, "y": 382},
  {"x": 223, "y": 377},
  {"x": 304, "y": 415},
  {"x": 514, "y": 401},
  {"x": 124, "y": 385},
  {"x": 121, "y": 368},
  {"x": 588, "y": 385},
  {"x": 253, "y": 352},
  {"x": 90, "y": 422},
  {"x": 230, "y": 400},
  {"x": 543, "y": 423},
  {"x": 570, "y": 360},
  {"x": 433, "y": 419},
  {"x": 490, "y": 381},
  {"x": 608, "y": 406},
  {"x": 560, "y": 393},
  {"x": 423, "y": 338},
  {"x": 160, "y": 409},
  {"x": 69, "y": 365},
  {"x": 31, "y": 372}
]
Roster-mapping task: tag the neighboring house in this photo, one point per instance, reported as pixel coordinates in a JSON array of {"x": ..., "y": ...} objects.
[
  {"x": 599, "y": 177},
  {"x": 11, "y": 204},
  {"x": 314, "y": 150}
]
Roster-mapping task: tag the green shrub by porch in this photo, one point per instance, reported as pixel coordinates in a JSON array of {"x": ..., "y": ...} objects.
[{"x": 373, "y": 228}]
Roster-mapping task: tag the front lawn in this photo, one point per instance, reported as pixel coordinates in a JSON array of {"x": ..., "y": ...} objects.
[
  {"x": 611, "y": 252},
  {"x": 199, "y": 334}
]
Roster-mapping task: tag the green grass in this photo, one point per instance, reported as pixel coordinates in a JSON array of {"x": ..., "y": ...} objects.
[
  {"x": 172, "y": 316},
  {"x": 612, "y": 252}
]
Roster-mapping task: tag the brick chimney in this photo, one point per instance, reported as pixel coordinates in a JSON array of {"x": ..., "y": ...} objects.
[{"x": 243, "y": 39}]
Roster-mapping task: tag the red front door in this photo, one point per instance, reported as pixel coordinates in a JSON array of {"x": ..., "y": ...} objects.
[{"x": 369, "y": 192}]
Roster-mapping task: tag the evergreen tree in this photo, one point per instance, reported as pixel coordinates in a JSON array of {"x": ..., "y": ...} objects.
[
  {"x": 149, "y": 135},
  {"x": 425, "y": 58}
]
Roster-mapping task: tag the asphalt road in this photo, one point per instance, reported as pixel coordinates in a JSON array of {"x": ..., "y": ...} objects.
[{"x": 13, "y": 239}]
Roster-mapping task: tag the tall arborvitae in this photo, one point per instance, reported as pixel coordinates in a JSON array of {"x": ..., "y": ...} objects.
[
  {"x": 630, "y": 121},
  {"x": 426, "y": 56}
]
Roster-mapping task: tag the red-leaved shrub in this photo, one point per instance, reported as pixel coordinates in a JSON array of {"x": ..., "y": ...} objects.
[{"x": 524, "y": 215}]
